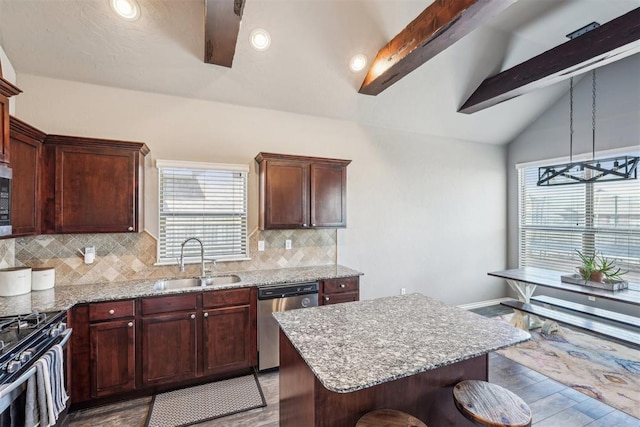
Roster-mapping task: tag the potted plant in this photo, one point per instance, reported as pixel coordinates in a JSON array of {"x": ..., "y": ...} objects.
[{"x": 599, "y": 269}]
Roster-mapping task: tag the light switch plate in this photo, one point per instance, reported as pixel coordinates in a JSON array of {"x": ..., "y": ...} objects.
[
  {"x": 261, "y": 245},
  {"x": 287, "y": 244}
]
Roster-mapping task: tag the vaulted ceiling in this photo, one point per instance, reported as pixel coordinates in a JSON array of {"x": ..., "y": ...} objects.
[{"x": 306, "y": 68}]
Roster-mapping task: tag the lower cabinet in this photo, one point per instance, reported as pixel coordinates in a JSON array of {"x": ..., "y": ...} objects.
[
  {"x": 112, "y": 337},
  {"x": 112, "y": 357},
  {"x": 227, "y": 337},
  {"x": 335, "y": 291}
]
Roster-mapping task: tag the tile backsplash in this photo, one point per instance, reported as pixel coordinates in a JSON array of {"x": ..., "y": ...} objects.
[{"x": 131, "y": 256}]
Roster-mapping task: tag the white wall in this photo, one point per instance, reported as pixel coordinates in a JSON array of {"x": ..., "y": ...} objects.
[
  {"x": 617, "y": 127},
  {"x": 424, "y": 213},
  {"x": 9, "y": 74}
]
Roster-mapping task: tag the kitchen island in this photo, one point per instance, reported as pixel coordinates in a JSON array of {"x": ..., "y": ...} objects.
[{"x": 404, "y": 352}]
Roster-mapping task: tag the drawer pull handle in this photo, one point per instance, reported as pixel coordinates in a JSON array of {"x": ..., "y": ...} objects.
[
  {"x": 342, "y": 285},
  {"x": 130, "y": 324},
  {"x": 130, "y": 228},
  {"x": 193, "y": 316},
  {"x": 326, "y": 298},
  {"x": 206, "y": 315},
  {"x": 112, "y": 311}
]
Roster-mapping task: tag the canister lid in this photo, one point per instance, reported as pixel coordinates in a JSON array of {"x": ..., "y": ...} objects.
[
  {"x": 42, "y": 268},
  {"x": 15, "y": 268}
]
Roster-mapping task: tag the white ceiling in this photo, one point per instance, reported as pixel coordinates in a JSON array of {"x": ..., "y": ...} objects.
[{"x": 306, "y": 68}]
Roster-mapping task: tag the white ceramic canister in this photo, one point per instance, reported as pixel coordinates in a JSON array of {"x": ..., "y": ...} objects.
[
  {"x": 15, "y": 281},
  {"x": 43, "y": 278}
]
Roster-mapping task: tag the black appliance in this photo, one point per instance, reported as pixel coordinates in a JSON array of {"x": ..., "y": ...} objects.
[
  {"x": 23, "y": 340},
  {"x": 6, "y": 174}
]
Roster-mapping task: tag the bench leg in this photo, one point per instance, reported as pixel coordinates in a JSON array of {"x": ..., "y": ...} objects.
[{"x": 525, "y": 292}]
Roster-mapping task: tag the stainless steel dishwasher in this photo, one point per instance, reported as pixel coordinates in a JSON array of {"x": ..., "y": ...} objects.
[{"x": 273, "y": 299}]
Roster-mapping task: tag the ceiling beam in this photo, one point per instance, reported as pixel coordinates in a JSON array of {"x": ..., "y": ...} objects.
[
  {"x": 439, "y": 26},
  {"x": 608, "y": 43},
  {"x": 221, "y": 27}
]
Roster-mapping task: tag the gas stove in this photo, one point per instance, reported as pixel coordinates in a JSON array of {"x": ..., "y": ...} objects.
[{"x": 24, "y": 338}]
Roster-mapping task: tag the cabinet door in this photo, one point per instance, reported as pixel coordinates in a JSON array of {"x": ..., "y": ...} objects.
[
  {"x": 226, "y": 339},
  {"x": 328, "y": 195},
  {"x": 286, "y": 195},
  {"x": 168, "y": 348},
  {"x": 25, "y": 162},
  {"x": 112, "y": 357},
  {"x": 95, "y": 190}
]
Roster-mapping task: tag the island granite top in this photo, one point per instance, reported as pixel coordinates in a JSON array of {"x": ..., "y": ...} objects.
[
  {"x": 65, "y": 297},
  {"x": 352, "y": 346}
]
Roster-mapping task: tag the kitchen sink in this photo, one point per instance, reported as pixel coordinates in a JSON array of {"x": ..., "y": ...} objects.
[{"x": 194, "y": 282}]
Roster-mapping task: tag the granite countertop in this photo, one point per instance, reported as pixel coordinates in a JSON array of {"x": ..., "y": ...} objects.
[
  {"x": 356, "y": 345},
  {"x": 65, "y": 297}
]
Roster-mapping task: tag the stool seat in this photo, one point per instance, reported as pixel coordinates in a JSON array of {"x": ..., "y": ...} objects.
[
  {"x": 388, "y": 418},
  {"x": 491, "y": 405}
]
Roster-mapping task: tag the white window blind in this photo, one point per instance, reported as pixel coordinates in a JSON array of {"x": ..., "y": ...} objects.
[
  {"x": 555, "y": 221},
  {"x": 203, "y": 200}
]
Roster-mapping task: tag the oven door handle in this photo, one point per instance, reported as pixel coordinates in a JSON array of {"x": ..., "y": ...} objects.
[{"x": 65, "y": 336}]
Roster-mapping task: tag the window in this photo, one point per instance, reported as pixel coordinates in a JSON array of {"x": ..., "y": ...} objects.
[
  {"x": 203, "y": 200},
  {"x": 555, "y": 221}
]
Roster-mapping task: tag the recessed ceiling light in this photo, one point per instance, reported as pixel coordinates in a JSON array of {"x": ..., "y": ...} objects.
[
  {"x": 260, "y": 39},
  {"x": 358, "y": 62},
  {"x": 126, "y": 9}
]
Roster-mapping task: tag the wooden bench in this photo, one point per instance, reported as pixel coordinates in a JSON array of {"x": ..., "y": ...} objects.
[
  {"x": 624, "y": 335},
  {"x": 592, "y": 311}
]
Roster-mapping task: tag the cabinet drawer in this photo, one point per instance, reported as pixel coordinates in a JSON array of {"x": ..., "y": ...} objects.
[
  {"x": 347, "y": 284},
  {"x": 226, "y": 297},
  {"x": 340, "y": 297},
  {"x": 168, "y": 304},
  {"x": 111, "y": 310}
]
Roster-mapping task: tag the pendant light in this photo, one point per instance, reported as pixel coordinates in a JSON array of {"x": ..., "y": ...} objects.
[{"x": 590, "y": 171}]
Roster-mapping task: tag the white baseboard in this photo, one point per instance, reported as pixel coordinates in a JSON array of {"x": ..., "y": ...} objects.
[{"x": 486, "y": 303}]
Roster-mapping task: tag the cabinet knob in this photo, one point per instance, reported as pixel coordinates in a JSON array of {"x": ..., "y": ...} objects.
[
  {"x": 206, "y": 315},
  {"x": 313, "y": 225},
  {"x": 342, "y": 285},
  {"x": 112, "y": 311},
  {"x": 130, "y": 324},
  {"x": 326, "y": 298},
  {"x": 304, "y": 225},
  {"x": 193, "y": 316},
  {"x": 130, "y": 228}
]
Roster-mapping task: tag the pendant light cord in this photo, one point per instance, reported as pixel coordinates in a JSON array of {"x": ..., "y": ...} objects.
[
  {"x": 571, "y": 120},
  {"x": 593, "y": 114}
]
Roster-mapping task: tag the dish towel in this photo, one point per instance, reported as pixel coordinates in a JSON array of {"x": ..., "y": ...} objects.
[{"x": 51, "y": 393}]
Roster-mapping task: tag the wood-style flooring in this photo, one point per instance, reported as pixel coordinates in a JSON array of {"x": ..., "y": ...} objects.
[{"x": 552, "y": 403}]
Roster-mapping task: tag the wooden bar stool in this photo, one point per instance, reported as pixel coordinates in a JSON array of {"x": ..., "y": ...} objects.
[
  {"x": 388, "y": 418},
  {"x": 490, "y": 405}
]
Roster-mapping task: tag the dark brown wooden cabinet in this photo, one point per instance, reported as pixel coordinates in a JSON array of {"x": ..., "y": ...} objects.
[
  {"x": 335, "y": 291},
  {"x": 302, "y": 192},
  {"x": 92, "y": 185},
  {"x": 112, "y": 336},
  {"x": 112, "y": 357},
  {"x": 26, "y": 145},
  {"x": 7, "y": 90},
  {"x": 168, "y": 347},
  {"x": 228, "y": 340}
]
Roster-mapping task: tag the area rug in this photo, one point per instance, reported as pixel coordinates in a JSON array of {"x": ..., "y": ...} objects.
[
  {"x": 194, "y": 405},
  {"x": 599, "y": 368}
]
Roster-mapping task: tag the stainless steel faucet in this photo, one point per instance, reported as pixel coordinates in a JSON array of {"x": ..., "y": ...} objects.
[{"x": 202, "y": 272}]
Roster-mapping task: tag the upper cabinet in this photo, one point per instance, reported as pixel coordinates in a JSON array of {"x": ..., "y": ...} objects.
[
  {"x": 302, "y": 192},
  {"x": 7, "y": 90},
  {"x": 26, "y": 145},
  {"x": 92, "y": 185}
]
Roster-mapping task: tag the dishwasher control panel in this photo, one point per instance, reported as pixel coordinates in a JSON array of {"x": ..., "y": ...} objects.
[{"x": 283, "y": 291}]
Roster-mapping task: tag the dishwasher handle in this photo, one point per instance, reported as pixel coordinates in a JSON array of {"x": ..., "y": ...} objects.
[{"x": 284, "y": 291}]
